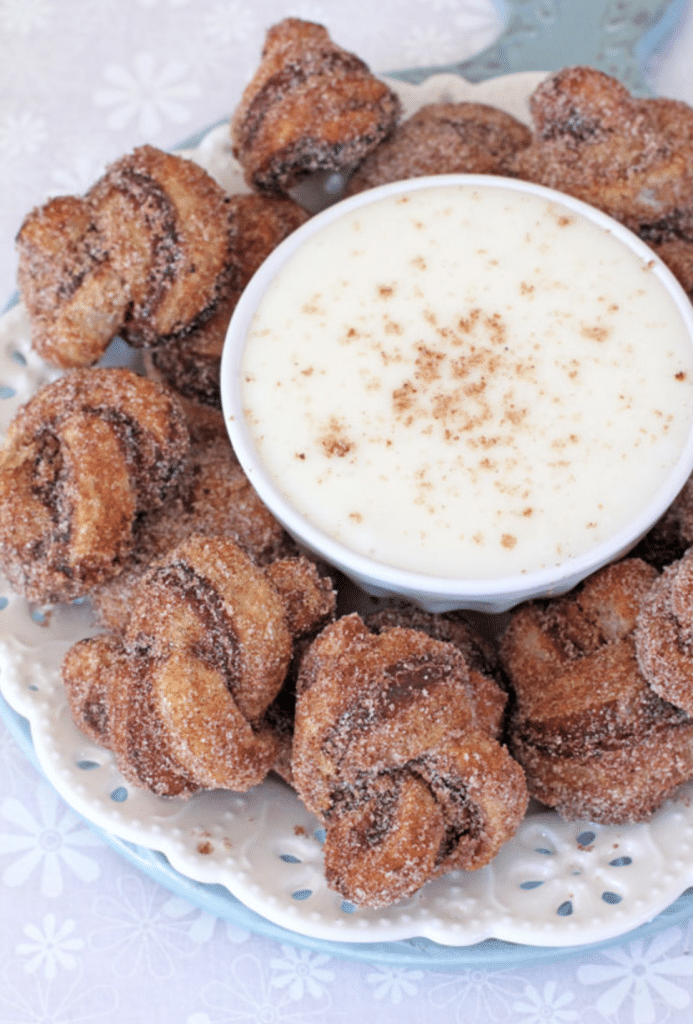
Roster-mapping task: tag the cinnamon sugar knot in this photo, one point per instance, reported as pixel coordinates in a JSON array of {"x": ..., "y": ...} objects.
[
  {"x": 311, "y": 106},
  {"x": 395, "y": 750},
  {"x": 83, "y": 459},
  {"x": 595, "y": 739},
  {"x": 182, "y": 695},
  {"x": 145, "y": 254}
]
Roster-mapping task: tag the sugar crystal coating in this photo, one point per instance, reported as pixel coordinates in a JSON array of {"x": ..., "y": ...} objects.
[
  {"x": 82, "y": 460},
  {"x": 392, "y": 752}
]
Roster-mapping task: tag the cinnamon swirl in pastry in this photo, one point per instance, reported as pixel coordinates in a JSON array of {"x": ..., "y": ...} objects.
[
  {"x": 629, "y": 157},
  {"x": 310, "y": 601},
  {"x": 393, "y": 754},
  {"x": 145, "y": 254},
  {"x": 310, "y": 106},
  {"x": 594, "y": 738},
  {"x": 111, "y": 701},
  {"x": 485, "y": 672},
  {"x": 204, "y": 654},
  {"x": 182, "y": 695},
  {"x": 83, "y": 460}
]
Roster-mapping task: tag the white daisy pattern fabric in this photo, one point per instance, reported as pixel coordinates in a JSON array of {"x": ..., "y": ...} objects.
[{"x": 47, "y": 842}]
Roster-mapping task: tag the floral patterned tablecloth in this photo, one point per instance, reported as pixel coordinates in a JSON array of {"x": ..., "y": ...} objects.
[{"x": 84, "y": 935}]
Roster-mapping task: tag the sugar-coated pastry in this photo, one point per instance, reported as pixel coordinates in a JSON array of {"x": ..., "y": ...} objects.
[
  {"x": 310, "y": 601},
  {"x": 594, "y": 738},
  {"x": 631, "y": 158},
  {"x": 311, "y": 106},
  {"x": 485, "y": 671},
  {"x": 392, "y": 754},
  {"x": 83, "y": 459},
  {"x": 74, "y": 297},
  {"x": 443, "y": 138},
  {"x": 309, "y": 598},
  {"x": 87, "y": 671},
  {"x": 185, "y": 694},
  {"x": 204, "y": 654},
  {"x": 111, "y": 701},
  {"x": 145, "y": 254}
]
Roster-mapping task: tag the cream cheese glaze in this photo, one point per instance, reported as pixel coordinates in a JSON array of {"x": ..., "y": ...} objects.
[{"x": 468, "y": 380}]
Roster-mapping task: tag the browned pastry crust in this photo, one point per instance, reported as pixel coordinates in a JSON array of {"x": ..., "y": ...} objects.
[
  {"x": 593, "y": 737},
  {"x": 205, "y": 422},
  {"x": 485, "y": 671},
  {"x": 630, "y": 157},
  {"x": 544, "y": 637},
  {"x": 214, "y": 498},
  {"x": 143, "y": 254},
  {"x": 74, "y": 297},
  {"x": 183, "y": 695},
  {"x": 618, "y": 792},
  {"x": 87, "y": 670},
  {"x": 83, "y": 459},
  {"x": 391, "y": 752},
  {"x": 190, "y": 363},
  {"x": 310, "y": 601},
  {"x": 310, "y": 106},
  {"x": 443, "y": 138},
  {"x": 204, "y": 654},
  {"x": 664, "y": 634},
  {"x": 258, "y": 224}
]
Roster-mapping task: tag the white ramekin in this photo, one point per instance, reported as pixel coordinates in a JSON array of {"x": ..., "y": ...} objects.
[{"x": 435, "y": 593}]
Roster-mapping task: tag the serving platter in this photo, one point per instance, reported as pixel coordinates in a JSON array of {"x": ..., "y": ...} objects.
[{"x": 555, "y": 887}]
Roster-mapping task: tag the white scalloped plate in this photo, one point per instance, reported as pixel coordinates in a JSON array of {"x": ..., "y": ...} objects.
[{"x": 554, "y": 884}]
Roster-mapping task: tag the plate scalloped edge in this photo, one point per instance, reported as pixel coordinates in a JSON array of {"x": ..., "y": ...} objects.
[
  {"x": 418, "y": 952},
  {"x": 556, "y": 884}
]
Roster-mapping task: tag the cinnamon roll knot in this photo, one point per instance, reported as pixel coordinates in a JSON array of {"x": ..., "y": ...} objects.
[
  {"x": 311, "y": 106},
  {"x": 145, "y": 254},
  {"x": 83, "y": 459},
  {"x": 182, "y": 695},
  {"x": 594, "y": 738},
  {"x": 396, "y": 755}
]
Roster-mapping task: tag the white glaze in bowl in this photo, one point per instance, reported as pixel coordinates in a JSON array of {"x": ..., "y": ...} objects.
[{"x": 301, "y": 512}]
